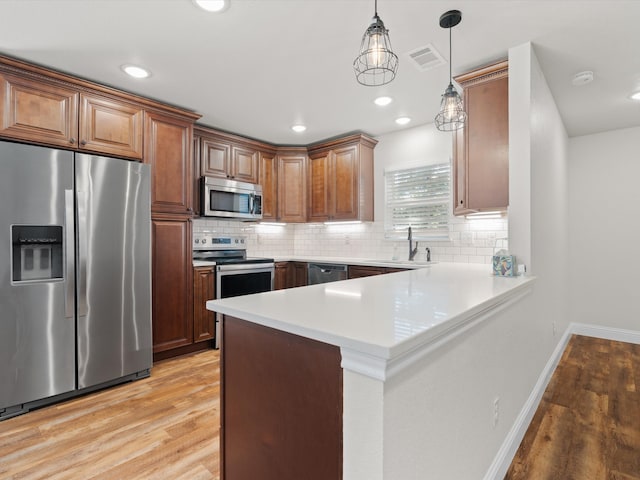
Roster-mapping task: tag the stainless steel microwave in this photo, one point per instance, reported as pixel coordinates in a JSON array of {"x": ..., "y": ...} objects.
[{"x": 230, "y": 199}]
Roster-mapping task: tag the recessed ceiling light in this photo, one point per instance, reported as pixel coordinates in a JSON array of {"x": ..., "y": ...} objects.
[
  {"x": 383, "y": 101},
  {"x": 582, "y": 78},
  {"x": 212, "y": 5},
  {"x": 135, "y": 71},
  {"x": 298, "y": 128},
  {"x": 402, "y": 120},
  {"x": 636, "y": 96}
]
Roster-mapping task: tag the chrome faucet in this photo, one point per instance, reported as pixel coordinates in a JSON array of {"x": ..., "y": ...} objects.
[{"x": 412, "y": 251}]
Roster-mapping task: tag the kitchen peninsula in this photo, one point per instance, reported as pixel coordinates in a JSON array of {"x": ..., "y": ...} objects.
[{"x": 328, "y": 381}]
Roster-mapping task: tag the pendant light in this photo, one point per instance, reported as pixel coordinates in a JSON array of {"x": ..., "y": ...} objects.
[
  {"x": 376, "y": 64},
  {"x": 451, "y": 115}
]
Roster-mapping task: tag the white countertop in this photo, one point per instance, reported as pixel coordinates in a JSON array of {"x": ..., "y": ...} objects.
[
  {"x": 370, "y": 262},
  {"x": 383, "y": 316},
  {"x": 337, "y": 260}
]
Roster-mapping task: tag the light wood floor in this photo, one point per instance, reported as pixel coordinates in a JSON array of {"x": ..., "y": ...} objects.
[
  {"x": 166, "y": 427},
  {"x": 587, "y": 426},
  {"x": 163, "y": 427}
]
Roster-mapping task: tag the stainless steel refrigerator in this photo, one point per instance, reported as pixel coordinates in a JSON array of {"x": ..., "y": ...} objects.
[{"x": 75, "y": 274}]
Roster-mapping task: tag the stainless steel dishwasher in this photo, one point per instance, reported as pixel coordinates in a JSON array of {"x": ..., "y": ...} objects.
[{"x": 326, "y": 272}]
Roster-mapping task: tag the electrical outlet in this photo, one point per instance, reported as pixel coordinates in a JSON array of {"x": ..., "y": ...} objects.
[
  {"x": 496, "y": 411},
  {"x": 347, "y": 240}
]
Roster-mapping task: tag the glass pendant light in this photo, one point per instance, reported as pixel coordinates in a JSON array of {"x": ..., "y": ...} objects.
[
  {"x": 376, "y": 64},
  {"x": 451, "y": 115}
]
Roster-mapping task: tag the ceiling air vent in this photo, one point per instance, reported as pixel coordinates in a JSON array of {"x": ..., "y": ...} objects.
[{"x": 426, "y": 57}]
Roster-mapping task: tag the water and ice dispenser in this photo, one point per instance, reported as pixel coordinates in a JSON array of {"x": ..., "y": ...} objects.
[{"x": 37, "y": 252}]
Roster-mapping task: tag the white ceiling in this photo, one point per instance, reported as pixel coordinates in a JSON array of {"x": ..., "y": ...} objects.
[{"x": 264, "y": 65}]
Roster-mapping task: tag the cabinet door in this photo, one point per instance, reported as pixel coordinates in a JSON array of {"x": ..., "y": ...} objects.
[
  {"x": 38, "y": 111},
  {"x": 269, "y": 182},
  {"x": 281, "y": 276},
  {"x": 215, "y": 158},
  {"x": 110, "y": 127},
  {"x": 172, "y": 272},
  {"x": 300, "y": 274},
  {"x": 195, "y": 168},
  {"x": 319, "y": 187},
  {"x": 292, "y": 188},
  {"x": 244, "y": 165},
  {"x": 168, "y": 150},
  {"x": 481, "y": 149},
  {"x": 203, "y": 289},
  {"x": 345, "y": 179},
  {"x": 358, "y": 271}
]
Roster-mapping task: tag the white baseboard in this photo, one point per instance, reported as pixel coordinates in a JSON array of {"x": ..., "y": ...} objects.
[
  {"x": 608, "y": 333},
  {"x": 509, "y": 447}
]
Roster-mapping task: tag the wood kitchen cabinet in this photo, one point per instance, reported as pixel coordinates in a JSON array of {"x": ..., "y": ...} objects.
[
  {"x": 358, "y": 271},
  {"x": 227, "y": 156},
  {"x": 53, "y": 114},
  {"x": 172, "y": 282},
  {"x": 340, "y": 180},
  {"x": 290, "y": 274},
  {"x": 299, "y": 274},
  {"x": 204, "y": 289},
  {"x": 281, "y": 275},
  {"x": 481, "y": 148},
  {"x": 168, "y": 151},
  {"x": 269, "y": 181},
  {"x": 292, "y": 183}
]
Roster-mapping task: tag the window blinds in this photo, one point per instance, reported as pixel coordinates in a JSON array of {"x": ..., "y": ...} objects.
[{"x": 419, "y": 197}]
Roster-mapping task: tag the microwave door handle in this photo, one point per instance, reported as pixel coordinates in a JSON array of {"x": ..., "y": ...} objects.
[{"x": 252, "y": 203}]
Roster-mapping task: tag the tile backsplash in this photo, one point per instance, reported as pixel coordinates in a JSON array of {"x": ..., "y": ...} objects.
[{"x": 471, "y": 241}]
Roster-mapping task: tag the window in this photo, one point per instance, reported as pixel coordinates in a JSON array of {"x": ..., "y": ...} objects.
[{"x": 419, "y": 197}]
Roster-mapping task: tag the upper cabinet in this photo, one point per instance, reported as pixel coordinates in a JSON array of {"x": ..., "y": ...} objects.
[
  {"x": 481, "y": 148},
  {"x": 41, "y": 111},
  {"x": 292, "y": 182},
  {"x": 269, "y": 181},
  {"x": 111, "y": 127},
  {"x": 168, "y": 143},
  {"x": 340, "y": 179},
  {"x": 227, "y": 156}
]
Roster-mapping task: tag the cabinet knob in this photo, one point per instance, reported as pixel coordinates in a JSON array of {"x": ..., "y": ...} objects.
[
  {"x": 72, "y": 140},
  {"x": 83, "y": 142}
]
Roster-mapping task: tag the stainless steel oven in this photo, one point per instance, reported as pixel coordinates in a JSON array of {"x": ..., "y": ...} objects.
[{"x": 236, "y": 274}]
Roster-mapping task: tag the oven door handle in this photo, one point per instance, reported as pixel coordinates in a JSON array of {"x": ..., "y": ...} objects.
[{"x": 251, "y": 267}]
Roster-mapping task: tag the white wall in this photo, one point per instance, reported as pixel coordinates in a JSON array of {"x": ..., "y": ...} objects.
[
  {"x": 449, "y": 418},
  {"x": 605, "y": 229},
  {"x": 438, "y": 414}
]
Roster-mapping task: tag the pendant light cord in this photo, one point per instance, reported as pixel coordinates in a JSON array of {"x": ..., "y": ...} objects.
[
  {"x": 375, "y": 8},
  {"x": 450, "y": 76}
]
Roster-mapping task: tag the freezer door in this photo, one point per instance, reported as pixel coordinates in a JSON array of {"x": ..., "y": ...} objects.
[
  {"x": 114, "y": 269},
  {"x": 37, "y": 324}
]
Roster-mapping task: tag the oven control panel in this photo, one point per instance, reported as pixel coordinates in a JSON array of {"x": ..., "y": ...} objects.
[{"x": 212, "y": 241}]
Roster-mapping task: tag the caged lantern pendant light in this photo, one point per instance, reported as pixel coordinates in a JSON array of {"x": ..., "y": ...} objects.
[
  {"x": 376, "y": 64},
  {"x": 451, "y": 115}
]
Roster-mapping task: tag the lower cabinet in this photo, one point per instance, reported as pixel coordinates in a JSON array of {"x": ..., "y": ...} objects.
[
  {"x": 299, "y": 278},
  {"x": 172, "y": 282},
  {"x": 281, "y": 276},
  {"x": 204, "y": 288},
  {"x": 358, "y": 271},
  {"x": 290, "y": 274}
]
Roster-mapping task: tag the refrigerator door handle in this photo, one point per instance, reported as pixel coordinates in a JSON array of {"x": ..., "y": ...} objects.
[
  {"x": 82, "y": 254},
  {"x": 69, "y": 240}
]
